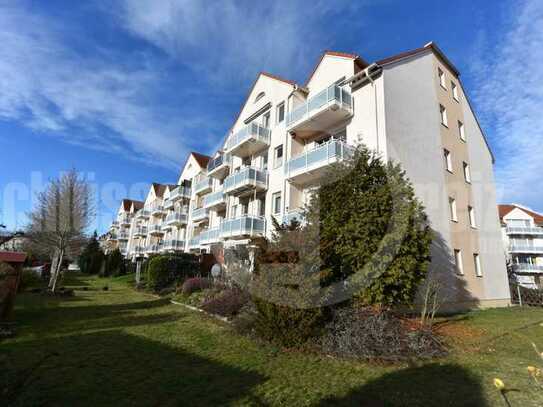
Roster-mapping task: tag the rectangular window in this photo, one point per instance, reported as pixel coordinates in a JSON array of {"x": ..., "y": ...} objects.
[
  {"x": 278, "y": 156},
  {"x": 443, "y": 115},
  {"x": 471, "y": 215},
  {"x": 461, "y": 131},
  {"x": 266, "y": 120},
  {"x": 276, "y": 203},
  {"x": 458, "y": 261},
  {"x": 280, "y": 113},
  {"x": 452, "y": 209},
  {"x": 233, "y": 211},
  {"x": 262, "y": 207},
  {"x": 477, "y": 264},
  {"x": 448, "y": 160},
  {"x": 467, "y": 173},
  {"x": 455, "y": 91},
  {"x": 441, "y": 75}
]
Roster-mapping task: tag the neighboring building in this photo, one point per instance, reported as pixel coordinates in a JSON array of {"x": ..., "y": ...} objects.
[
  {"x": 15, "y": 242},
  {"x": 522, "y": 231},
  {"x": 119, "y": 231},
  {"x": 411, "y": 108}
]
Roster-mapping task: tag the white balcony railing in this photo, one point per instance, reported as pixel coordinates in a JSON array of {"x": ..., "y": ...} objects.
[
  {"x": 210, "y": 236},
  {"x": 153, "y": 248},
  {"x": 333, "y": 96},
  {"x": 140, "y": 231},
  {"x": 249, "y": 140},
  {"x": 194, "y": 243},
  {"x": 203, "y": 185},
  {"x": 214, "y": 199},
  {"x": 155, "y": 230},
  {"x": 519, "y": 230},
  {"x": 181, "y": 192},
  {"x": 243, "y": 226},
  {"x": 527, "y": 268},
  {"x": 315, "y": 161},
  {"x": 142, "y": 214},
  {"x": 518, "y": 248},
  {"x": 122, "y": 236},
  {"x": 199, "y": 214},
  {"x": 246, "y": 178},
  {"x": 291, "y": 215},
  {"x": 176, "y": 218},
  {"x": 173, "y": 245}
]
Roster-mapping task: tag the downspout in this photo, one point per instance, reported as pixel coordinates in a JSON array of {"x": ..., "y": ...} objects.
[{"x": 367, "y": 73}]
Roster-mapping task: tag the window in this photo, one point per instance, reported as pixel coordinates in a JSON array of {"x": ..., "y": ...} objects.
[
  {"x": 233, "y": 211},
  {"x": 276, "y": 203},
  {"x": 441, "y": 75},
  {"x": 455, "y": 91},
  {"x": 461, "y": 131},
  {"x": 471, "y": 215},
  {"x": 467, "y": 173},
  {"x": 452, "y": 209},
  {"x": 266, "y": 120},
  {"x": 261, "y": 206},
  {"x": 448, "y": 160},
  {"x": 259, "y": 96},
  {"x": 477, "y": 264},
  {"x": 280, "y": 113},
  {"x": 443, "y": 114},
  {"x": 244, "y": 208},
  {"x": 278, "y": 156},
  {"x": 458, "y": 261}
]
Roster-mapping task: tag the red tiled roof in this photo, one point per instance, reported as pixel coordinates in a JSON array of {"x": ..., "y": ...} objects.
[
  {"x": 126, "y": 203},
  {"x": 12, "y": 257},
  {"x": 201, "y": 159},
  {"x": 504, "y": 209},
  {"x": 138, "y": 205}
]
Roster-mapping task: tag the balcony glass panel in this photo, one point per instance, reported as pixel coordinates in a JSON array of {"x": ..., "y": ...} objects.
[
  {"x": 247, "y": 176},
  {"x": 203, "y": 184},
  {"x": 245, "y": 225},
  {"x": 180, "y": 192},
  {"x": 176, "y": 217},
  {"x": 522, "y": 230},
  {"x": 199, "y": 213},
  {"x": 251, "y": 131},
  {"x": 216, "y": 162},
  {"x": 322, "y": 155},
  {"x": 211, "y": 235},
  {"x": 214, "y": 198}
]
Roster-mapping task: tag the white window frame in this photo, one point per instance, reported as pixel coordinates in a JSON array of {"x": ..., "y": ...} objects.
[
  {"x": 471, "y": 217},
  {"x": 477, "y": 264},
  {"x": 442, "y": 79},
  {"x": 278, "y": 161},
  {"x": 467, "y": 172},
  {"x": 276, "y": 206},
  {"x": 277, "y": 112},
  {"x": 454, "y": 88},
  {"x": 443, "y": 115},
  {"x": 448, "y": 160},
  {"x": 458, "y": 261},
  {"x": 461, "y": 131},
  {"x": 452, "y": 209}
]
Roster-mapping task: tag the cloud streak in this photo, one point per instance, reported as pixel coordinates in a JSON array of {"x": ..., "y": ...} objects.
[{"x": 510, "y": 95}]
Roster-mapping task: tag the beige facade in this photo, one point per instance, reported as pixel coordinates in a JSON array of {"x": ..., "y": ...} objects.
[{"x": 286, "y": 135}]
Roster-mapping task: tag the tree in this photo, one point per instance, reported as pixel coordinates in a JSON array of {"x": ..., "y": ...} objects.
[
  {"x": 374, "y": 233},
  {"x": 91, "y": 258},
  {"x": 59, "y": 220},
  {"x": 115, "y": 263}
]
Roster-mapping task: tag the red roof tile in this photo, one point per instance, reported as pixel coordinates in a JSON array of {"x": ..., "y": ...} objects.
[
  {"x": 201, "y": 159},
  {"x": 12, "y": 257},
  {"x": 504, "y": 209}
]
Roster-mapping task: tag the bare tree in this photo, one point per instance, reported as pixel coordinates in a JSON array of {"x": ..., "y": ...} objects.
[{"x": 59, "y": 220}]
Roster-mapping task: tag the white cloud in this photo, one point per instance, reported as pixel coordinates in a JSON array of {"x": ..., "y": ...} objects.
[
  {"x": 90, "y": 101},
  {"x": 510, "y": 93},
  {"x": 229, "y": 41}
]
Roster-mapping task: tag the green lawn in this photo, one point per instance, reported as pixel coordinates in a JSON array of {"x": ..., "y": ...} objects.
[{"x": 121, "y": 347}]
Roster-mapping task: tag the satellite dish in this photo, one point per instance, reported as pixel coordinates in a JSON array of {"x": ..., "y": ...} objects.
[{"x": 216, "y": 270}]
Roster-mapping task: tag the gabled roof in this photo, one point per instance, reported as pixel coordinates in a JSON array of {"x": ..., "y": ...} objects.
[
  {"x": 361, "y": 63},
  {"x": 138, "y": 205},
  {"x": 430, "y": 46},
  {"x": 201, "y": 159},
  {"x": 126, "y": 203},
  {"x": 159, "y": 189},
  {"x": 504, "y": 209}
]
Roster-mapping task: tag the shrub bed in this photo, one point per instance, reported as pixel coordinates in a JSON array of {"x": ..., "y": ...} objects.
[
  {"x": 164, "y": 271},
  {"x": 226, "y": 303},
  {"x": 194, "y": 284}
]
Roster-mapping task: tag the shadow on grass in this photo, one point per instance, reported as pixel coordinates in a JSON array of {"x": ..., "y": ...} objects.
[
  {"x": 428, "y": 385},
  {"x": 113, "y": 368}
]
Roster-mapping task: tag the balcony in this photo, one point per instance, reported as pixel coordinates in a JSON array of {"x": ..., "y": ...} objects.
[
  {"x": 246, "y": 180},
  {"x": 194, "y": 243},
  {"x": 168, "y": 204},
  {"x": 215, "y": 200},
  {"x": 173, "y": 246},
  {"x": 155, "y": 230},
  {"x": 181, "y": 192},
  {"x": 199, "y": 214},
  {"x": 124, "y": 220},
  {"x": 153, "y": 248},
  {"x": 248, "y": 141},
  {"x": 312, "y": 165},
  {"x": 114, "y": 225},
  {"x": 122, "y": 236},
  {"x": 140, "y": 231},
  {"x": 291, "y": 215},
  {"x": 321, "y": 112},
  {"x": 157, "y": 209},
  {"x": 516, "y": 230},
  {"x": 218, "y": 167},
  {"x": 176, "y": 219},
  {"x": 527, "y": 268},
  {"x": 516, "y": 248},
  {"x": 142, "y": 214},
  {"x": 140, "y": 250},
  {"x": 244, "y": 226},
  {"x": 210, "y": 236},
  {"x": 203, "y": 186}
]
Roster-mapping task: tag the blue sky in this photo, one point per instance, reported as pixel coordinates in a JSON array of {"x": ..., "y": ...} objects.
[{"x": 122, "y": 91}]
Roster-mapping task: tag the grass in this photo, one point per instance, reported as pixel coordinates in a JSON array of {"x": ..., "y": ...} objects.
[{"x": 122, "y": 347}]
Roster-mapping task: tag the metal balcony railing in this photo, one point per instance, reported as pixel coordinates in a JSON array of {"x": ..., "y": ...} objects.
[
  {"x": 246, "y": 225},
  {"x": 211, "y": 235},
  {"x": 140, "y": 231},
  {"x": 320, "y": 156},
  {"x": 199, "y": 214},
  {"x": 214, "y": 199},
  {"x": 519, "y": 230},
  {"x": 525, "y": 248},
  {"x": 142, "y": 214},
  {"x": 176, "y": 245},
  {"x": 180, "y": 192},
  {"x": 291, "y": 215},
  {"x": 194, "y": 243},
  {"x": 155, "y": 229},
  {"x": 176, "y": 218},
  {"x": 527, "y": 267},
  {"x": 217, "y": 162},
  {"x": 247, "y": 177},
  {"x": 332, "y": 94},
  {"x": 253, "y": 132},
  {"x": 203, "y": 185}
]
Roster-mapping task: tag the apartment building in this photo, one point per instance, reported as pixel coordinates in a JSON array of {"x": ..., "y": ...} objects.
[
  {"x": 120, "y": 229},
  {"x": 522, "y": 232},
  {"x": 411, "y": 108}
]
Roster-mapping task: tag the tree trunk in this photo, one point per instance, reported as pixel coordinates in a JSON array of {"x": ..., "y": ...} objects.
[
  {"x": 57, "y": 273},
  {"x": 53, "y": 270}
]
